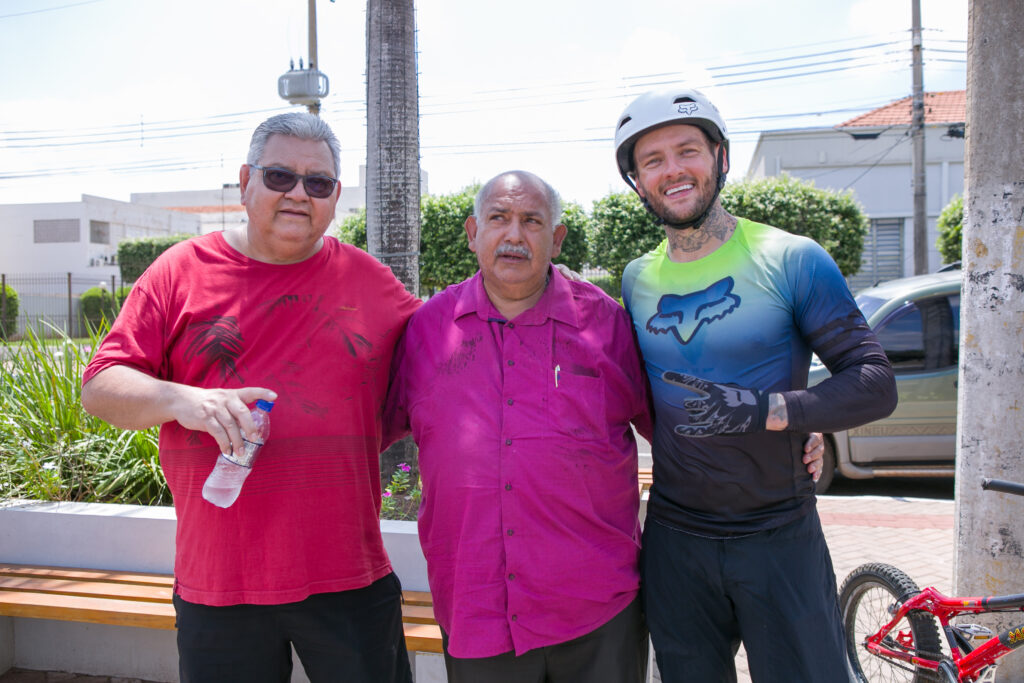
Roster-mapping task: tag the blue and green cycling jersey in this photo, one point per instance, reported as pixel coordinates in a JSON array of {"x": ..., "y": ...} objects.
[{"x": 750, "y": 314}]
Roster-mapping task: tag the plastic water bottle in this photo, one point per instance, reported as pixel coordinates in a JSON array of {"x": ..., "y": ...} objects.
[{"x": 225, "y": 481}]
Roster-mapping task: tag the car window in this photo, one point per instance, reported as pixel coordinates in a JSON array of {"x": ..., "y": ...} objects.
[
  {"x": 868, "y": 304},
  {"x": 922, "y": 335}
]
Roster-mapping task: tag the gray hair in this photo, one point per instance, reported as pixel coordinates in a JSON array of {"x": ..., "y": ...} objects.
[
  {"x": 554, "y": 200},
  {"x": 301, "y": 125}
]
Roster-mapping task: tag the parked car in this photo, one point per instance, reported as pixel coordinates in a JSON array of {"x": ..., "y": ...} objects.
[{"x": 917, "y": 321}]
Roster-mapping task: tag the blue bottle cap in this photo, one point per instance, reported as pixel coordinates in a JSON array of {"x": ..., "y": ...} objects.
[{"x": 265, "y": 405}]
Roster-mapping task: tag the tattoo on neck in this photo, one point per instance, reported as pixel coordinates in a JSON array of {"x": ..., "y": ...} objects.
[{"x": 718, "y": 226}]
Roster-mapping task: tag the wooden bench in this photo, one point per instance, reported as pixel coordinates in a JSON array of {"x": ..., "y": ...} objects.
[
  {"x": 646, "y": 479},
  {"x": 137, "y": 599}
]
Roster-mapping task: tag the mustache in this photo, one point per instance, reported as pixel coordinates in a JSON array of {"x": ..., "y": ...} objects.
[{"x": 513, "y": 250}]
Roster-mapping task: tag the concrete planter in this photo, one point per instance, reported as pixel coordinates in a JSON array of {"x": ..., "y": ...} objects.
[{"x": 131, "y": 538}]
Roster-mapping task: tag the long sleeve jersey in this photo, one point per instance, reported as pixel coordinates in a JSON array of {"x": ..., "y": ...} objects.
[{"x": 750, "y": 313}]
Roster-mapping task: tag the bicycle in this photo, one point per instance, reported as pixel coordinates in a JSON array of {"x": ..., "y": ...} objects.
[{"x": 891, "y": 634}]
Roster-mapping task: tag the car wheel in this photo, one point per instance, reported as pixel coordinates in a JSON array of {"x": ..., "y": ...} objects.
[{"x": 828, "y": 467}]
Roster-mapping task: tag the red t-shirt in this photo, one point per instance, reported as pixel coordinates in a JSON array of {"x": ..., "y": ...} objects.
[{"x": 321, "y": 334}]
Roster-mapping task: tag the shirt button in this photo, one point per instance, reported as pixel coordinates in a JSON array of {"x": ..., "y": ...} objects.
[
  {"x": 511, "y": 577},
  {"x": 511, "y": 325},
  {"x": 511, "y": 362},
  {"x": 515, "y": 617},
  {"x": 508, "y": 487},
  {"x": 508, "y": 442},
  {"x": 510, "y": 401},
  {"x": 511, "y": 532}
]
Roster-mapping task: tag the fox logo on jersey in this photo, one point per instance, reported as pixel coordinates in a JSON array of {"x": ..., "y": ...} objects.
[{"x": 684, "y": 315}]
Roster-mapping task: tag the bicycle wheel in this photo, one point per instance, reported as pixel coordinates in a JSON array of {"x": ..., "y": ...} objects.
[{"x": 866, "y": 598}]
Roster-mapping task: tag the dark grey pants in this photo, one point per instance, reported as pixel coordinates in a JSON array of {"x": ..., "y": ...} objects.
[
  {"x": 354, "y": 636},
  {"x": 774, "y": 590},
  {"x": 613, "y": 653}
]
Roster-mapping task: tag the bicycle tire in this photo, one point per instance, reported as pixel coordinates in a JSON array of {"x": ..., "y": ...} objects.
[{"x": 865, "y": 599}]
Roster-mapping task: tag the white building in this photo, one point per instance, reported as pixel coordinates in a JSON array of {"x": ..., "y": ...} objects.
[
  {"x": 871, "y": 155},
  {"x": 79, "y": 237}
]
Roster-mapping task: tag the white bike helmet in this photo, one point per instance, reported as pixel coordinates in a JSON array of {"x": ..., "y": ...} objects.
[{"x": 659, "y": 108}]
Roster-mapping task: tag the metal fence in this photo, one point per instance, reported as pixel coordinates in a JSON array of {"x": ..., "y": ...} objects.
[{"x": 49, "y": 301}]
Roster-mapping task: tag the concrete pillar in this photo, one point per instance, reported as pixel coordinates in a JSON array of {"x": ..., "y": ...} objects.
[{"x": 990, "y": 533}]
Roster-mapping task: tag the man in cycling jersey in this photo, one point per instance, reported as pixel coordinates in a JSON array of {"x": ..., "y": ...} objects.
[{"x": 727, "y": 313}]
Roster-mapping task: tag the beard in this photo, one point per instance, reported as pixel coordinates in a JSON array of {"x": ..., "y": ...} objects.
[{"x": 679, "y": 216}]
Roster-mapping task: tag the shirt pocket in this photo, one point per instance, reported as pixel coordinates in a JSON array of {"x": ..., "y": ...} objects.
[{"x": 577, "y": 405}]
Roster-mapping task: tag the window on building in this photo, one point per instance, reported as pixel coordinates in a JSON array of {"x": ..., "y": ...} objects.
[
  {"x": 99, "y": 232},
  {"x": 882, "y": 258},
  {"x": 55, "y": 230}
]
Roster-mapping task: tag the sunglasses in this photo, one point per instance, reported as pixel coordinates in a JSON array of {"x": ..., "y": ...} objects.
[{"x": 283, "y": 180}]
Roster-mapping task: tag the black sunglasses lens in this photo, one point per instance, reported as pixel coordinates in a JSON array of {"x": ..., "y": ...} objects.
[
  {"x": 279, "y": 180},
  {"x": 318, "y": 186}
]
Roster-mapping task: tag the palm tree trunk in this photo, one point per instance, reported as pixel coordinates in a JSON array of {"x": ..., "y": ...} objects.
[{"x": 392, "y": 159}]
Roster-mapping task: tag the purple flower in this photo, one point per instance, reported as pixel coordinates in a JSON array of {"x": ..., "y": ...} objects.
[
  {"x": 405, "y": 468},
  {"x": 387, "y": 494}
]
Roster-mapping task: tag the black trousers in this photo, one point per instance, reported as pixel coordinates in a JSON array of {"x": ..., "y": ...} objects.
[
  {"x": 347, "y": 636},
  {"x": 774, "y": 590},
  {"x": 613, "y": 653}
]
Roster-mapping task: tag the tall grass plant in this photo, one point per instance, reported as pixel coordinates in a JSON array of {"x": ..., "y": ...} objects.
[{"x": 50, "y": 448}]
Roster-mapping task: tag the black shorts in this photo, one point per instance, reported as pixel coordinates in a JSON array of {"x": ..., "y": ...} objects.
[
  {"x": 345, "y": 636},
  {"x": 613, "y": 653},
  {"x": 773, "y": 590}
]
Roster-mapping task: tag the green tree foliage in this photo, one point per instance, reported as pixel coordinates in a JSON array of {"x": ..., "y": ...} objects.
[
  {"x": 98, "y": 304},
  {"x": 352, "y": 229},
  {"x": 576, "y": 246},
  {"x": 832, "y": 219},
  {"x": 951, "y": 231},
  {"x": 621, "y": 230},
  {"x": 445, "y": 257},
  {"x": 134, "y": 256},
  {"x": 8, "y": 313}
]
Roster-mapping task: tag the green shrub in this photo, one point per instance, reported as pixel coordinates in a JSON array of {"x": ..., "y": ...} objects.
[
  {"x": 832, "y": 219},
  {"x": 951, "y": 231},
  {"x": 134, "y": 256},
  {"x": 8, "y": 313},
  {"x": 622, "y": 231},
  {"x": 50, "y": 448},
  {"x": 98, "y": 304}
]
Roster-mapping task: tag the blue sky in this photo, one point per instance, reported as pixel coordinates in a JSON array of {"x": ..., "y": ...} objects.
[{"x": 109, "y": 97}]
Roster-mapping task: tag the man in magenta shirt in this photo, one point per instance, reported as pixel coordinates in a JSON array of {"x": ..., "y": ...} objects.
[{"x": 519, "y": 387}]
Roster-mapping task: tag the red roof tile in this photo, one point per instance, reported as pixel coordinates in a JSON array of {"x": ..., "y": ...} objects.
[{"x": 939, "y": 107}]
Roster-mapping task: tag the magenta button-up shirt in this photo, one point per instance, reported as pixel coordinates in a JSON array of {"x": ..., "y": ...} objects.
[{"x": 528, "y": 519}]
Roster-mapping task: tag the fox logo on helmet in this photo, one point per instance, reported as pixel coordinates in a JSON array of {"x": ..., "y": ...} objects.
[{"x": 688, "y": 108}]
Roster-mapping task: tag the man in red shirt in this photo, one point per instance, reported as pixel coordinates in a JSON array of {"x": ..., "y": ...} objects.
[
  {"x": 273, "y": 310},
  {"x": 520, "y": 386}
]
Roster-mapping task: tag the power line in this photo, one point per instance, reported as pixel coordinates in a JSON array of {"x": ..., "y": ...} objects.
[{"x": 48, "y": 9}]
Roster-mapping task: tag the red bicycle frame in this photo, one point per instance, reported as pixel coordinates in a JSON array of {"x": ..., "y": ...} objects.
[{"x": 968, "y": 664}]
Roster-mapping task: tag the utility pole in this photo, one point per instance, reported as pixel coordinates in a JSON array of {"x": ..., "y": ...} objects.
[
  {"x": 314, "y": 107},
  {"x": 990, "y": 424},
  {"x": 393, "y": 159},
  {"x": 917, "y": 137},
  {"x": 306, "y": 85}
]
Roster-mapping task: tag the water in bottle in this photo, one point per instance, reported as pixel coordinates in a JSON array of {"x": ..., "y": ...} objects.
[{"x": 225, "y": 481}]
